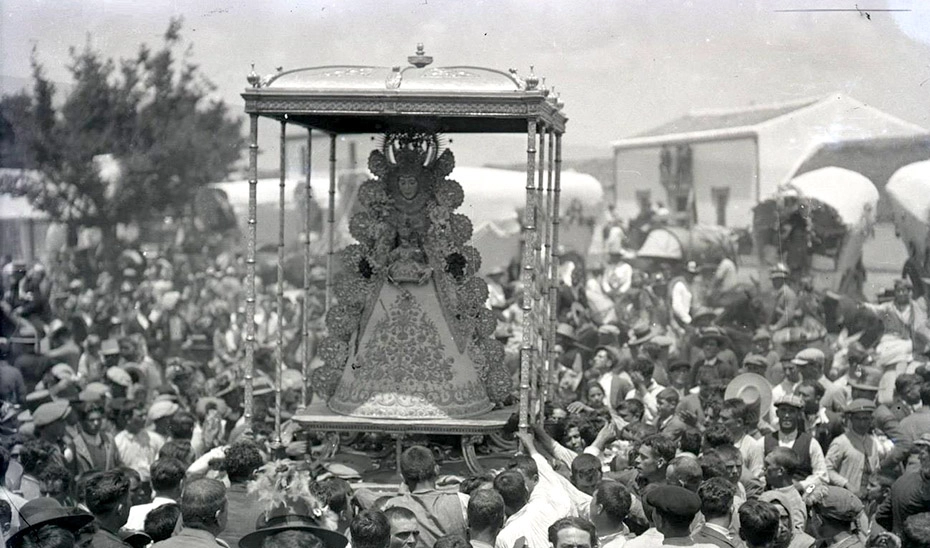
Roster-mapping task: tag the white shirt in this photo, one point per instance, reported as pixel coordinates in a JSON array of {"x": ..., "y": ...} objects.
[
  {"x": 554, "y": 490},
  {"x": 818, "y": 461},
  {"x": 753, "y": 453},
  {"x": 138, "y": 451},
  {"x": 138, "y": 513},
  {"x": 528, "y": 523},
  {"x": 616, "y": 540},
  {"x": 649, "y": 401},
  {"x": 650, "y": 537},
  {"x": 681, "y": 302}
]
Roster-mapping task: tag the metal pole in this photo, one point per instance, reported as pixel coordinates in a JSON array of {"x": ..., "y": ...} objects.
[
  {"x": 279, "y": 349},
  {"x": 554, "y": 266},
  {"x": 539, "y": 272},
  {"x": 529, "y": 233},
  {"x": 331, "y": 221},
  {"x": 305, "y": 365},
  {"x": 547, "y": 274},
  {"x": 250, "y": 270}
]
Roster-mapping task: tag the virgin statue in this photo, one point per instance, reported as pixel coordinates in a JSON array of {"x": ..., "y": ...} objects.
[{"x": 410, "y": 335}]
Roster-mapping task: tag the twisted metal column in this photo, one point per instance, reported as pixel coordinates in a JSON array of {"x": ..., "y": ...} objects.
[
  {"x": 548, "y": 285},
  {"x": 331, "y": 220},
  {"x": 529, "y": 233},
  {"x": 250, "y": 271},
  {"x": 554, "y": 266},
  {"x": 539, "y": 273},
  {"x": 279, "y": 347},
  {"x": 308, "y": 194}
]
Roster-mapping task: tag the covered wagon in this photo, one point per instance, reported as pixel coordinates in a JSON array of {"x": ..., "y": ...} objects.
[{"x": 816, "y": 225}]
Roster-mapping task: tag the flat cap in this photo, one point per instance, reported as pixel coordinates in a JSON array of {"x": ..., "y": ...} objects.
[
  {"x": 860, "y": 405},
  {"x": 674, "y": 501},
  {"x": 62, "y": 371},
  {"x": 809, "y": 355},
  {"x": 162, "y": 409},
  {"x": 118, "y": 375},
  {"x": 47, "y": 413},
  {"x": 923, "y": 440},
  {"x": 790, "y": 401},
  {"x": 94, "y": 392},
  {"x": 839, "y": 504},
  {"x": 761, "y": 335},
  {"x": 109, "y": 347},
  {"x": 755, "y": 360}
]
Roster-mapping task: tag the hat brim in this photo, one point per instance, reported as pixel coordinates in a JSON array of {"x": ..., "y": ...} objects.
[
  {"x": 721, "y": 339},
  {"x": 331, "y": 539},
  {"x": 751, "y": 381},
  {"x": 868, "y": 387},
  {"x": 61, "y": 517}
]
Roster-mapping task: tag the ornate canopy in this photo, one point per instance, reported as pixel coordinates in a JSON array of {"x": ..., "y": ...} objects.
[
  {"x": 369, "y": 99},
  {"x": 416, "y": 97}
]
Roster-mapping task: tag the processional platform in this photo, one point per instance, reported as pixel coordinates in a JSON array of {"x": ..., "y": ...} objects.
[
  {"x": 317, "y": 416},
  {"x": 410, "y": 204}
]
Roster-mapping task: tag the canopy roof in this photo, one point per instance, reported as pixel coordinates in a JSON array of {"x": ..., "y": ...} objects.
[
  {"x": 835, "y": 200},
  {"x": 703, "y": 243},
  {"x": 850, "y": 194},
  {"x": 369, "y": 99},
  {"x": 909, "y": 189}
]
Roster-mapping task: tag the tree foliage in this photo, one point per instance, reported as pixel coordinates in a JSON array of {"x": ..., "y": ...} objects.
[{"x": 152, "y": 114}]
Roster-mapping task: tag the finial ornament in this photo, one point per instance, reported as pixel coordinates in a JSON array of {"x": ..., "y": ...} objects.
[
  {"x": 394, "y": 79},
  {"x": 254, "y": 79},
  {"x": 420, "y": 60},
  {"x": 532, "y": 81}
]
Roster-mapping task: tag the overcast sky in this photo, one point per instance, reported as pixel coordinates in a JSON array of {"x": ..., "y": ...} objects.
[{"x": 621, "y": 66}]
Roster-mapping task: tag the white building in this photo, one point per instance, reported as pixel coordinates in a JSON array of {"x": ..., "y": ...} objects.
[{"x": 714, "y": 166}]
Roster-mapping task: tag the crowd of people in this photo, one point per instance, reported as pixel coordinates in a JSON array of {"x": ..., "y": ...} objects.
[{"x": 681, "y": 409}]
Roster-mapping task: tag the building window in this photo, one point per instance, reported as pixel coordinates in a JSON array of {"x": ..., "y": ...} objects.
[
  {"x": 644, "y": 199},
  {"x": 720, "y": 197}
]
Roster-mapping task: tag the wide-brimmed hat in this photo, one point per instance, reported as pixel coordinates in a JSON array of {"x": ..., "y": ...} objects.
[
  {"x": 204, "y": 404},
  {"x": 566, "y": 330},
  {"x": 703, "y": 312},
  {"x": 136, "y": 539},
  {"x": 642, "y": 332},
  {"x": 608, "y": 335},
  {"x": 712, "y": 333},
  {"x": 278, "y": 522},
  {"x": 751, "y": 388},
  {"x": 47, "y": 511},
  {"x": 867, "y": 378}
]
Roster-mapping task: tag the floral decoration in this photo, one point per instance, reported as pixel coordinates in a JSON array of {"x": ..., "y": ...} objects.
[{"x": 443, "y": 235}]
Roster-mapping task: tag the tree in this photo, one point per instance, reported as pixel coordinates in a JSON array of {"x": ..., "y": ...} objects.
[{"x": 151, "y": 114}]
